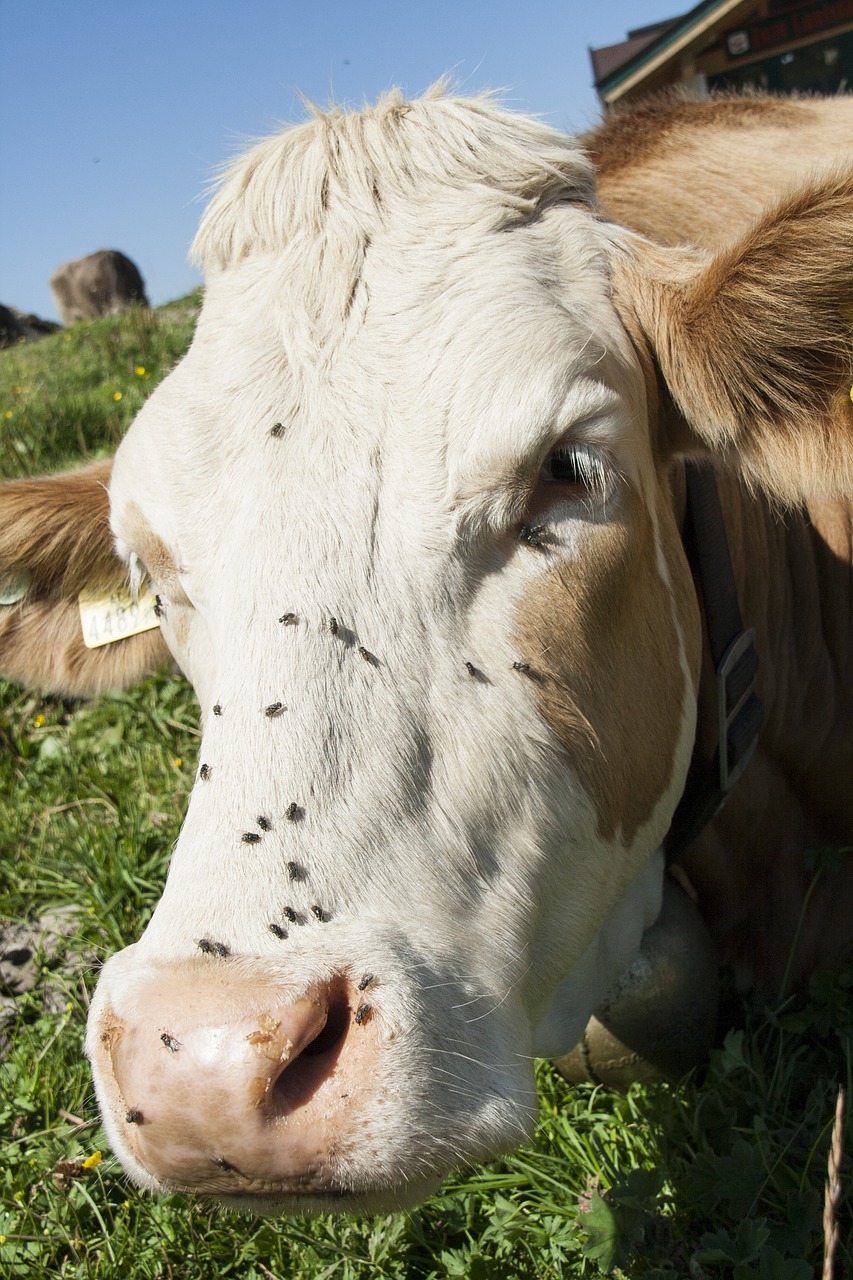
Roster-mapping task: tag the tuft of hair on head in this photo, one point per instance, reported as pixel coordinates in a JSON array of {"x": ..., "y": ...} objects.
[
  {"x": 334, "y": 172},
  {"x": 306, "y": 205}
]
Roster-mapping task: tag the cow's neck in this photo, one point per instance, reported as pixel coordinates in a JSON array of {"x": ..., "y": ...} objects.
[{"x": 749, "y": 867}]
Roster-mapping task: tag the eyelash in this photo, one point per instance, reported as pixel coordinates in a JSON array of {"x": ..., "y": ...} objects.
[{"x": 578, "y": 465}]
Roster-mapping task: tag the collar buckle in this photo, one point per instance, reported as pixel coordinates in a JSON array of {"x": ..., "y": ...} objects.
[{"x": 738, "y": 709}]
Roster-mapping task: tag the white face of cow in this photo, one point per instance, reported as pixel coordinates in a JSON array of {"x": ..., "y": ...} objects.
[{"x": 401, "y": 506}]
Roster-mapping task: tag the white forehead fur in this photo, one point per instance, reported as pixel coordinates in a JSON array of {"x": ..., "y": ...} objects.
[{"x": 343, "y": 166}]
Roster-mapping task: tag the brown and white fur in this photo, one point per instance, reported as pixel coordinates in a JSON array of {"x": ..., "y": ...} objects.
[{"x": 432, "y": 417}]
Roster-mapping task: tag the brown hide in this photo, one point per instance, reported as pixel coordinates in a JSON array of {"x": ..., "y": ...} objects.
[
  {"x": 101, "y": 284},
  {"x": 753, "y": 867},
  {"x": 703, "y": 173}
]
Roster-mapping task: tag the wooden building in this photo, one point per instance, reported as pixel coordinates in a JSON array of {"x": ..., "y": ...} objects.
[{"x": 777, "y": 45}]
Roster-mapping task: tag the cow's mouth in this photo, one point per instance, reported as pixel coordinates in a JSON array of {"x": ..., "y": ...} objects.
[{"x": 296, "y": 1200}]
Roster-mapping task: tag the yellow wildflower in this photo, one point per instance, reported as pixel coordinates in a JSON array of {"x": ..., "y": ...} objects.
[
  {"x": 178, "y": 762},
  {"x": 7, "y": 413},
  {"x": 92, "y": 1161},
  {"x": 140, "y": 371},
  {"x": 116, "y": 395},
  {"x": 39, "y": 721}
]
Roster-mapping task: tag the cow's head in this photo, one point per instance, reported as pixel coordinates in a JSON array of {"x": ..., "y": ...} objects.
[{"x": 406, "y": 504}]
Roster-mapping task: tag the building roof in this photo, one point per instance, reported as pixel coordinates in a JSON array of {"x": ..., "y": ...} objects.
[
  {"x": 668, "y": 41},
  {"x": 613, "y": 56}
]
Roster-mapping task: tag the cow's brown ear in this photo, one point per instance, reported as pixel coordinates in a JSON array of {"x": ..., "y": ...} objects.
[
  {"x": 755, "y": 343},
  {"x": 55, "y": 542}
]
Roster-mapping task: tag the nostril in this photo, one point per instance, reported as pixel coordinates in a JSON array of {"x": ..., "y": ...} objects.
[
  {"x": 332, "y": 1034},
  {"x": 303, "y": 1075}
]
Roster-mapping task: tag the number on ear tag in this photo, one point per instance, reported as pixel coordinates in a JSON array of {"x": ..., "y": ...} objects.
[{"x": 106, "y": 618}]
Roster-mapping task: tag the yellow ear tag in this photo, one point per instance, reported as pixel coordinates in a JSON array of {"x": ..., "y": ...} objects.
[{"x": 106, "y": 618}]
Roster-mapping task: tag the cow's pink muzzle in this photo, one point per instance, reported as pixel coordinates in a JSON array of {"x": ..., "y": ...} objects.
[{"x": 230, "y": 1086}]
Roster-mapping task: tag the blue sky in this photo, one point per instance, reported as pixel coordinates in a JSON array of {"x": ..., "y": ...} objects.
[{"x": 114, "y": 116}]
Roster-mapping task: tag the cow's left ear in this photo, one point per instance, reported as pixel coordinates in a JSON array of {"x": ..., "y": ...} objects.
[
  {"x": 55, "y": 542},
  {"x": 755, "y": 342}
]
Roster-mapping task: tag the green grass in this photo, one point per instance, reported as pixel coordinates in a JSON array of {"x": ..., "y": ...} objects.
[
  {"x": 71, "y": 396},
  {"x": 719, "y": 1177}
]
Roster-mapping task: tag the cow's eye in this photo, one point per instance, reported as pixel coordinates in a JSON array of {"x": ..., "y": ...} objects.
[
  {"x": 575, "y": 473},
  {"x": 577, "y": 466}
]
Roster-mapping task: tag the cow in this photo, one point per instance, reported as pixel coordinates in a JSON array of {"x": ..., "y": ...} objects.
[
  {"x": 412, "y": 509},
  {"x": 104, "y": 283}
]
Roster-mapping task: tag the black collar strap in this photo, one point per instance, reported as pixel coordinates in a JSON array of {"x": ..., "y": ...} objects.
[{"x": 738, "y": 710}]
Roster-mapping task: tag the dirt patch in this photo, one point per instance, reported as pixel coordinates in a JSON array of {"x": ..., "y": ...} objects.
[{"x": 35, "y": 955}]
